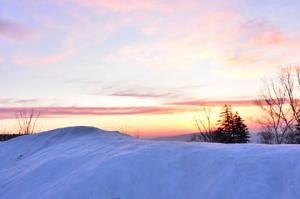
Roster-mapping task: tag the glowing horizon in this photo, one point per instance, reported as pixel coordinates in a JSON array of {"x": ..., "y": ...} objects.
[
  {"x": 147, "y": 65},
  {"x": 136, "y": 121}
]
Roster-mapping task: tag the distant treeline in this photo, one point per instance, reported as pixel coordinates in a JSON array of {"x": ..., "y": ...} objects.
[{"x": 5, "y": 137}]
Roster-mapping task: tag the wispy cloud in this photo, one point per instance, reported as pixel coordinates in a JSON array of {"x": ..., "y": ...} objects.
[
  {"x": 30, "y": 60},
  {"x": 260, "y": 32},
  {"x": 17, "y": 101},
  {"x": 141, "y": 91},
  {"x": 261, "y": 43},
  {"x": 9, "y": 112},
  {"x": 132, "y": 5},
  {"x": 136, "y": 92},
  {"x": 14, "y": 30},
  {"x": 216, "y": 103},
  {"x": 141, "y": 94},
  {"x": 75, "y": 39}
]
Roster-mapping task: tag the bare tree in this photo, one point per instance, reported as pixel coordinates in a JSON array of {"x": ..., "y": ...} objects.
[
  {"x": 27, "y": 121},
  {"x": 205, "y": 127},
  {"x": 280, "y": 105},
  {"x": 266, "y": 136},
  {"x": 290, "y": 80}
]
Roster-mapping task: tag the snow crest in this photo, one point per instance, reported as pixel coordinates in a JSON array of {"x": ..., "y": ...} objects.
[{"x": 85, "y": 162}]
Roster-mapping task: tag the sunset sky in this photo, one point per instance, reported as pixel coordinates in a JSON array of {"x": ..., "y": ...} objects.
[{"x": 145, "y": 67}]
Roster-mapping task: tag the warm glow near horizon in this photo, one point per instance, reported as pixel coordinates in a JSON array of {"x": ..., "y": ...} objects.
[
  {"x": 152, "y": 125},
  {"x": 145, "y": 67}
]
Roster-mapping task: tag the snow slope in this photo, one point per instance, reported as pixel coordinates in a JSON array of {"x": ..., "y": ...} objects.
[{"x": 85, "y": 162}]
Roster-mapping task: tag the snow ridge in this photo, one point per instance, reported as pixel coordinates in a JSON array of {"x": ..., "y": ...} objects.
[{"x": 85, "y": 162}]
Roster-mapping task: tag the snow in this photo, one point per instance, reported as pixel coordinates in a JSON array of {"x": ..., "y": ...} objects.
[
  {"x": 85, "y": 162},
  {"x": 183, "y": 138}
]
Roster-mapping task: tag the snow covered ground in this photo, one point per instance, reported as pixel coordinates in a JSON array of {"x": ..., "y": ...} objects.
[
  {"x": 84, "y": 162},
  {"x": 183, "y": 138}
]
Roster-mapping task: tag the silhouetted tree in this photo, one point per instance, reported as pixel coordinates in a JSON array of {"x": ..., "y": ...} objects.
[
  {"x": 240, "y": 130},
  {"x": 280, "y": 106},
  {"x": 27, "y": 121},
  {"x": 232, "y": 128},
  {"x": 205, "y": 127},
  {"x": 225, "y": 130},
  {"x": 293, "y": 137}
]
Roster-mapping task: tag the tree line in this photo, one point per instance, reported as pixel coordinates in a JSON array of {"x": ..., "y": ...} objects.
[{"x": 279, "y": 117}]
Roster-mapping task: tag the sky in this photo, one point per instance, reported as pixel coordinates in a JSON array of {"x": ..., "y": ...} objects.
[{"x": 146, "y": 67}]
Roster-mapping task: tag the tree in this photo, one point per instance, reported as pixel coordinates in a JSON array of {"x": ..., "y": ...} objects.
[
  {"x": 266, "y": 136},
  {"x": 27, "y": 121},
  {"x": 294, "y": 137},
  {"x": 240, "y": 130},
  {"x": 232, "y": 128},
  {"x": 279, "y": 102},
  {"x": 205, "y": 127},
  {"x": 225, "y": 129}
]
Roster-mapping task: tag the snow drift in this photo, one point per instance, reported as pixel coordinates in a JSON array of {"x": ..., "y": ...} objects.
[{"x": 85, "y": 162}]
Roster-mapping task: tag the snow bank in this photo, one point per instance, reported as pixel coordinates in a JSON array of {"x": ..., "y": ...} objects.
[{"x": 84, "y": 162}]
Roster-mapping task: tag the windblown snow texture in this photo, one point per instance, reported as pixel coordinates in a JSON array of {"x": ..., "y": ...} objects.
[{"x": 85, "y": 162}]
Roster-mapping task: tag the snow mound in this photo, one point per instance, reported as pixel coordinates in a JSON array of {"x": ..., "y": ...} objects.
[{"x": 85, "y": 162}]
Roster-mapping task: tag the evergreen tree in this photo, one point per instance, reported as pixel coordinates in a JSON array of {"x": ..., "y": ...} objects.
[
  {"x": 225, "y": 129},
  {"x": 232, "y": 128},
  {"x": 240, "y": 131}
]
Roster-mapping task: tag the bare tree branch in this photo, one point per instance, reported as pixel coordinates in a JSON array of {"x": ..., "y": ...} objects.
[
  {"x": 280, "y": 105},
  {"x": 204, "y": 126},
  {"x": 27, "y": 121}
]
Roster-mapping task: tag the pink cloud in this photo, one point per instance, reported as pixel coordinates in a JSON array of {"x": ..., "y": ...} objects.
[
  {"x": 259, "y": 32},
  {"x": 42, "y": 60},
  {"x": 133, "y": 5},
  {"x": 261, "y": 43},
  {"x": 14, "y": 30},
  {"x": 170, "y": 108},
  {"x": 9, "y": 112}
]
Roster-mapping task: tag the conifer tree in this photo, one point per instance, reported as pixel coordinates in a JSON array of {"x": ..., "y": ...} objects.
[
  {"x": 240, "y": 131},
  {"x": 232, "y": 128},
  {"x": 224, "y": 131}
]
